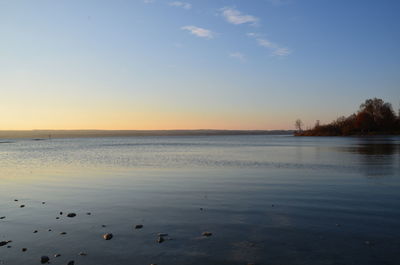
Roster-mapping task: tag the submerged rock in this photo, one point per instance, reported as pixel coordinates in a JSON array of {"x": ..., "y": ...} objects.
[
  {"x": 108, "y": 236},
  {"x": 207, "y": 234},
  {"x": 71, "y": 215},
  {"x": 44, "y": 259}
]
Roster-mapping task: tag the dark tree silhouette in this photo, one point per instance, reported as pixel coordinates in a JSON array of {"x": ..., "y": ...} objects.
[{"x": 373, "y": 117}]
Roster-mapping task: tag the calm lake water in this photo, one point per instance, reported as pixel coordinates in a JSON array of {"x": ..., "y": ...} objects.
[{"x": 276, "y": 200}]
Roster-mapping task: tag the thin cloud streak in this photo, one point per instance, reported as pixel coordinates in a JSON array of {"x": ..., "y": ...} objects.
[
  {"x": 238, "y": 55},
  {"x": 199, "y": 32},
  {"x": 183, "y": 5}
]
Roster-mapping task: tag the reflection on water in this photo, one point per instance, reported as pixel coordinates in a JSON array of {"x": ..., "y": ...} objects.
[
  {"x": 266, "y": 199},
  {"x": 378, "y": 156}
]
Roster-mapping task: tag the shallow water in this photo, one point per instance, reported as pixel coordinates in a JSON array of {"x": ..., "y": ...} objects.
[{"x": 266, "y": 199}]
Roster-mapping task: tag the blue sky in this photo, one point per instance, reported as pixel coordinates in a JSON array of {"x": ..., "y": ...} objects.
[{"x": 244, "y": 64}]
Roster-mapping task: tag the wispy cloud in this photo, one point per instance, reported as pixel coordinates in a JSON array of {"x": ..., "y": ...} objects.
[
  {"x": 183, "y": 5},
  {"x": 199, "y": 32},
  {"x": 234, "y": 16},
  {"x": 275, "y": 48},
  {"x": 237, "y": 55}
]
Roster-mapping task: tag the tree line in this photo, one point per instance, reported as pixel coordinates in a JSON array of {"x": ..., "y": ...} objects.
[{"x": 374, "y": 117}]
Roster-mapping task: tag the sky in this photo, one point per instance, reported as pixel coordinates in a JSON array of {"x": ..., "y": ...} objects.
[{"x": 194, "y": 64}]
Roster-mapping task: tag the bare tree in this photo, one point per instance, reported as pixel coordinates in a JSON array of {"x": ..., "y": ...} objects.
[{"x": 298, "y": 125}]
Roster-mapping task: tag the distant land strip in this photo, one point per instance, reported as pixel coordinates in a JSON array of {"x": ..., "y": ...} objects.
[{"x": 48, "y": 134}]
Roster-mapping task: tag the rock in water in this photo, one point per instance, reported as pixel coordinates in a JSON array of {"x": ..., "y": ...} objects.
[
  {"x": 71, "y": 262},
  {"x": 22, "y": 206},
  {"x": 108, "y": 236},
  {"x": 3, "y": 217},
  {"x": 71, "y": 215},
  {"x": 44, "y": 259},
  {"x": 82, "y": 254},
  {"x": 207, "y": 234},
  {"x": 57, "y": 255},
  {"x": 24, "y": 249},
  {"x": 138, "y": 226},
  {"x": 3, "y": 243}
]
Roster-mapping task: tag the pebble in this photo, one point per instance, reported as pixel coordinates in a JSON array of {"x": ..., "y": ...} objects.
[
  {"x": 43, "y": 202},
  {"x": 103, "y": 225},
  {"x": 57, "y": 217},
  {"x": 88, "y": 213},
  {"x": 207, "y": 234},
  {"x": 61, "y": 213},
  {"x": 3, "y": 217},
  {"x": 71, "y": 215},
  {"x": 24, "y": 249},
  {"x": 71, "y": 262},
  {"x": 8, "y": 246},
  {"x": 35, "y": 231},
  {"x": 44, "y": 259},
  {"x": 3, "y": 243},
  {"x": 22, "y": 206},
  {"x": 108, "y": 236},
  {"x": 57, "y": 255},
  {"x": 82, "y": 254},
  {"x": 49, "y": 230},
  {"x": 160, "y": 239},
  {"x": 138, "y": 226},
  {"x": 63, "y": 233},
  {"x": 15, "y": 200}
]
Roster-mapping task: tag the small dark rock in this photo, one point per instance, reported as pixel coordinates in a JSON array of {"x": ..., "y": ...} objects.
[
  {"x": 44, "y": 259},
  {"x": 103, "y": 225},
  {"x": 82, "y": 254},
  {"x": 35, "y": 231},
  {"x": 63, "y": 233},
  {"x": 49, "y": 230},
  {"x": 108, "y": 236},
  {"x": 15, "y": 200},
  {"x": 71, "y": 215},
  {"x": 61, "y": 213},
  {"x": 3, "y": 243},
  {"x": 43, "y": 202},
  {"x": 207, "y": 234},
  {"x": 138, "y": 226},
  {"x": 160, "y": 239},
  {"x": 57, "y": 217},
  {"x": 201, "y": 209},
  {"x": 3, "y": 217},
  {"x": 24, "y": 249},
  {"x": 22, "y": 206},
  {"x": 88, "y": 213},
  {"x": 57, "y": 255},
  {"x": 8, "y": 246},
  {"x": 71, "y": 262}
]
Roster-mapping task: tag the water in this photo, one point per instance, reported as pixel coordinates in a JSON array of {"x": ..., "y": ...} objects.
[{"x": 266, "y": 199}]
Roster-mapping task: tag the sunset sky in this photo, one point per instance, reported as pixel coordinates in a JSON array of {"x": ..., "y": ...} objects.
[{"x": 195, "y": 64}]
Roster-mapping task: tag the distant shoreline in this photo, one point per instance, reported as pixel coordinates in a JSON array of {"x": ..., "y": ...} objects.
[{"x": 48, "y": 134}]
